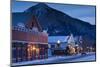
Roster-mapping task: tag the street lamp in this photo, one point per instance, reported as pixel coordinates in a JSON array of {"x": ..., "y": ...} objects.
[{"x": 58, "y": 41}]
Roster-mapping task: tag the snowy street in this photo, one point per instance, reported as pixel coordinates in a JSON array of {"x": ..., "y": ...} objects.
[{"x": 60, "y": 59}]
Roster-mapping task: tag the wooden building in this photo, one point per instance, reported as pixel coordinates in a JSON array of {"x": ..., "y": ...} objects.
[{"x": 29, "y": 42}]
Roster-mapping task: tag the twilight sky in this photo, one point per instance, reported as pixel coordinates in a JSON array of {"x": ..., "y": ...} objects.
[{"x": 85, "y": 13}]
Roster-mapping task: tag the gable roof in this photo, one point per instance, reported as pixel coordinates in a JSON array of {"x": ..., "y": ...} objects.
[{"x": 28, "y": 19}]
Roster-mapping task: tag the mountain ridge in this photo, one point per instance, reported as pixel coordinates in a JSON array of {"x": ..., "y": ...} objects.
[{"x": 58, "y": 23}]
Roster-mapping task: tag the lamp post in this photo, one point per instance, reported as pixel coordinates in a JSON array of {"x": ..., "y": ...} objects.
[{"x": 58, "y": 43}]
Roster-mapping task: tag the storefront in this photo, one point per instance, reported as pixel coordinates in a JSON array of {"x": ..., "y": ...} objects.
[
  {"x": 29, "y": 42},
  {"x": 28, "y": 46}
]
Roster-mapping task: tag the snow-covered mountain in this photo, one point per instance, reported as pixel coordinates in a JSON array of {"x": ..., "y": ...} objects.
[{"x": 55, "y": 22}]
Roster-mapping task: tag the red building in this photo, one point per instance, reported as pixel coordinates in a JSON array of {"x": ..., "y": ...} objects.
[{"x": 29, "y": 42}]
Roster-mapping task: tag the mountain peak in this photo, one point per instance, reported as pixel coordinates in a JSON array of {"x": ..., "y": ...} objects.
[
  {"x": 39, "y": 6},
  {"x": 42, "y": 5}
]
